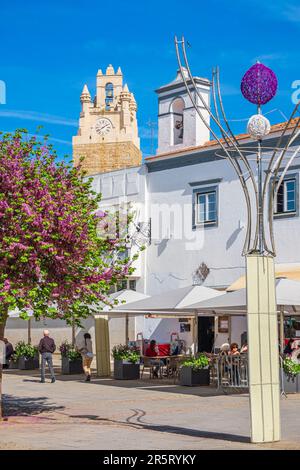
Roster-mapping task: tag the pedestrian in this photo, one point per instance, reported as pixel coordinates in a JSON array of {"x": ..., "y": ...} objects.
[
  {"x": 86, "y": 350},
  {"x": 9, "y": 350},
  {"x": 46, "y": 349}
]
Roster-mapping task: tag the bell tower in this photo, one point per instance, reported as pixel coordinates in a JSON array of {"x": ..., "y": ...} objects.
[
  {"x": 107, "y": 137},
  {"x": 179, "y": 125}
]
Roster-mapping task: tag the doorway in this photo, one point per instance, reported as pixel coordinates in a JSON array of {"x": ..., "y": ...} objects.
[{"x": 206, "y": 334}]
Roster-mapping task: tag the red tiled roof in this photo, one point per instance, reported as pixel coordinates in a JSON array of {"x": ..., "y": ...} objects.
[{"x": 212, "y": 143}]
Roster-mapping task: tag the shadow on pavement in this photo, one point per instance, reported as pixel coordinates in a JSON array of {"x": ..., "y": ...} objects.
[
  {"x": 27, "y": 406},
  {"x": 136, "y": 421}
]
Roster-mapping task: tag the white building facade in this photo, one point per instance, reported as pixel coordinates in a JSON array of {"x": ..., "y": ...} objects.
[
  {"x": 191, "y": 203},
  {"x": 194, "y": 204}
]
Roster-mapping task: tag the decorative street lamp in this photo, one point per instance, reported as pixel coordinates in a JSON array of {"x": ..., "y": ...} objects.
[{"x": 261, "y": 170}]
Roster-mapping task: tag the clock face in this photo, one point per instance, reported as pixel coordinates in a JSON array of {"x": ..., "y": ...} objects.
[{"x": 103, "y": 126}]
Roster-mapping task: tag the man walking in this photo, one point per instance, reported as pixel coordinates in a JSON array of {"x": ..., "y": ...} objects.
[
  {"x": 9, "y": 350},
  {"x": 46, "y": 349}
]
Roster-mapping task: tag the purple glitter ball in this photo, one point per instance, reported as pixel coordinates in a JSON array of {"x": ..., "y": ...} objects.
[{"x": 259, "y": 84}]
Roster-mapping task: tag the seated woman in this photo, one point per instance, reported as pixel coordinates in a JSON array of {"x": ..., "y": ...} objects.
[
  {"x": 289, "y": 348},
  {"x": 152, "y": 351},
  {"x": 234, "y": 350},
  {"x": 235, "y": 375}
]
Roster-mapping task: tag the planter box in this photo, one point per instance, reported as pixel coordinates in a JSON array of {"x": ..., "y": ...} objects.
[
  {"x": 14, "y": 364},
  {"x": 71, "y": 367},
  {"x": 36, "y": 361},
  {"x": 27, "y": 363},
  {"x": 190, "y": 377},
  {"x": 290, "y": 385},
  {"x": 126, "y": 371}
]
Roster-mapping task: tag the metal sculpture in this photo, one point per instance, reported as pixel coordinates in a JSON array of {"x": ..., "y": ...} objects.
[
  {"x": 259, "y": 86},
  {"x": 260, "y": 184}
]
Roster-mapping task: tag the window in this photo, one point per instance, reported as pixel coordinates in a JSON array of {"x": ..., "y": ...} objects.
[
  {"x": 206, "y": 207},
  {"x": 109, "y": 95},
  {"x": 205, "y": 210},
  {"x": 286, "y": 200},
  {"x": 124, "y": 284}
]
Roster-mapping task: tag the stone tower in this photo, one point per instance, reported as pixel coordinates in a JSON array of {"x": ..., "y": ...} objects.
[{"x": 107, "y": 137}]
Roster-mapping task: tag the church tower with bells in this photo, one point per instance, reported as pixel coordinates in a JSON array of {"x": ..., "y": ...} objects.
[{"x": 107, "y": 137}]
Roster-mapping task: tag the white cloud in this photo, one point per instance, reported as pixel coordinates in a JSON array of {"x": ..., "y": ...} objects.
[{"x": 39, "y": 117}]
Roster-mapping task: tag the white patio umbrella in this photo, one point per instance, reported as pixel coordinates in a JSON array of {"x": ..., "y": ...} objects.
[
  {"x": 173, "y": 302},
  {"x": 235, "y": 303},
  {"x": 287, "y": 295}
]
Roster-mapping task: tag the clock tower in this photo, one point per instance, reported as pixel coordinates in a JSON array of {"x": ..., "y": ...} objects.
[{"x": 107, "y": 137}]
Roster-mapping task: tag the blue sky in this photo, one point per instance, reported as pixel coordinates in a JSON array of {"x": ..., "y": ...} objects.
[{"x": 48, "y": 50}]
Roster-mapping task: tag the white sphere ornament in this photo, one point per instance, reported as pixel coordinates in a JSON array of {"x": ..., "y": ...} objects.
[{"x": 258, "y": 126}]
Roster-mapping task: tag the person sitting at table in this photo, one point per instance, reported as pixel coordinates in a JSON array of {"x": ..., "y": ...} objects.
[
  {"x": 289, "y": 348},
  {"x": 224, "y": 349},
  {"x": 234, "y": 350},
  {"x": 152, "y": 351}
]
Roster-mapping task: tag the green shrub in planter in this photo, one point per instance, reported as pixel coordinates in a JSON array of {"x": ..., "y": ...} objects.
[
  {"x": 126, "y": 363},
  {"x": 14, "y": 362},
  {"x": 291, "y": 376},
  {"x": 26, "y": 355},
  {"x": 195, "y": 371},
  {"x": 71, "y": 360}
]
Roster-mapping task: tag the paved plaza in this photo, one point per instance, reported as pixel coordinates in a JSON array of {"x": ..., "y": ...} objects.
[{"x": 108, "y": 414}]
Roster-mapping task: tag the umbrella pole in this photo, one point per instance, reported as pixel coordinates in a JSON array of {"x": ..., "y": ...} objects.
[
  {"x": 126, "y": 328},
  {"x": 29, "y": 331},
  {"x": 195, "y": 333},
  {"x": 281, "y": 329}
]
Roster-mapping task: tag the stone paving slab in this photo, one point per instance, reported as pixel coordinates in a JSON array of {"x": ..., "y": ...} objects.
[{"x": 109, "y": 414}]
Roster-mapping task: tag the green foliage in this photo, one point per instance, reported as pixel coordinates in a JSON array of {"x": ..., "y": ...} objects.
[
  {"x": 200, "y": 362},
  {"x": 124, "y": 353},
  {"x": 73, "y": 354},
  {"x": 65, "y": 348},
  {"x": 25, "y": 350},
  {"x": 59, "y": 254},
  {"x": 291, "y": 368}
]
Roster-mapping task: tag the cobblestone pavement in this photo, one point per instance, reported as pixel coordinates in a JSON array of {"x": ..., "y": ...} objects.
[{"x": 108, "y": 414}]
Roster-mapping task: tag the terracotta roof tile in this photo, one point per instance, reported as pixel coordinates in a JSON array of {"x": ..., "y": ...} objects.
[{"x": 212, "y": 143}]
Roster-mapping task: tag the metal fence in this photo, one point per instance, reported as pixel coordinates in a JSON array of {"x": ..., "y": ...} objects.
[{"x": 230, "y": 372}]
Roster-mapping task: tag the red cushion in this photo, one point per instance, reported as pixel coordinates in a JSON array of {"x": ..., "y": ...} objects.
[{"x": 164, "y": 349}]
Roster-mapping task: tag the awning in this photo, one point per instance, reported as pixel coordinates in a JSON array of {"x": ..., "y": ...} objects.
[
  {"x": 125, "y": 296},
  {"x": 287, "y": 271},
  {"x": 287, "y": 295},
  {"x": 170, "y": 303}
]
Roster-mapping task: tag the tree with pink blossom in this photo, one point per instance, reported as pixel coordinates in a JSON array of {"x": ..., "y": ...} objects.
[{"x": 58, "y": 257}]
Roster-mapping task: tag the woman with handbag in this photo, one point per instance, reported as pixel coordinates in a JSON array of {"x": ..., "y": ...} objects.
[{"x": 86, "y": 351}]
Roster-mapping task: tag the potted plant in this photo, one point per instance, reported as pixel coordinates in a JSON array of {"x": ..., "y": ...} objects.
[
  {"x": 291, "y": 377},
  {"x": 26, "y": 356},
  {"x": 71, "y": 360},
  {"x": 126, "y": 363},
  {"x": 195, "y": 371},
  {"x": 14, "y": 362}
]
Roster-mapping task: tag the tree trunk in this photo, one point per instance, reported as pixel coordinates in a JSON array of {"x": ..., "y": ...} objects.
[{"x": 2, "y": 329}]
